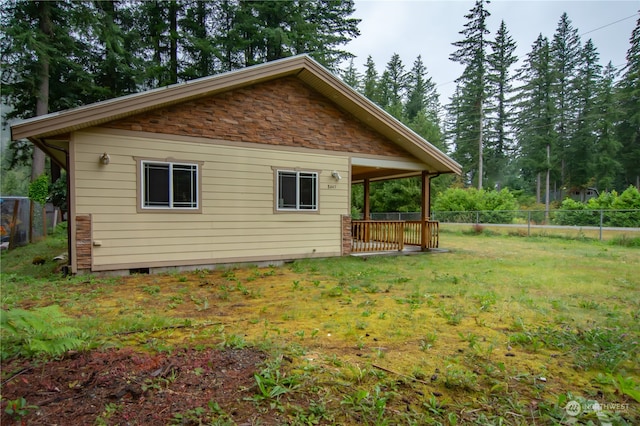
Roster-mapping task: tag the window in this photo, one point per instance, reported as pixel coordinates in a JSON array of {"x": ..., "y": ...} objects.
[
  {"x": 169, "y": 185},
  {"x": 297, "y": 191}
]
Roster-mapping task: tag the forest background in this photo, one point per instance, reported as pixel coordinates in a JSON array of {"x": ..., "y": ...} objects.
[{"x": 561, "y": 122}]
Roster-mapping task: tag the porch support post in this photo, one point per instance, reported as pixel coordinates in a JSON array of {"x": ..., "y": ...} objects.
[
  {"x": 367, "y": 210},
  {"x": 426, "y": 210},
  {"x": 367, "y": 201}
]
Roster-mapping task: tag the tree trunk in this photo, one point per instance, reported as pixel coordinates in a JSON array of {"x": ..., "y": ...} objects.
[
  {"x": 547, "y": 194},
  {"x": 173, "y": 42},
  {"x": 480, "y": 149},
  {"x": 42, "y": 102}
]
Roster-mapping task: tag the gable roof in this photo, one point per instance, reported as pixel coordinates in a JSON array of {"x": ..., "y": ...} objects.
[{"x": 302, "y": 67}]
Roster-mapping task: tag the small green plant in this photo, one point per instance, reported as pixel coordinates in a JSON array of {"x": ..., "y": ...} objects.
[
  {"x": 272, "y": 383},
  {"x": 628, "y": 386},
  {"x": 457, "y": 377},
  {"x": 233, "y": 341},
  {"x": 370, "y": 405},
  {"x": 192, "y": 416},
  {"x": 151, "y": 289},
  {"x": 109, "y": 410},
  {"x": 18, "y": 408},
  {"x": 454, "y": 316},
  {"x": 428, "y": 340}
]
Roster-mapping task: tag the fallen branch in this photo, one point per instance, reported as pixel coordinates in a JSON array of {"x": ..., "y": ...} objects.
[{"x": 413, "y": 379}]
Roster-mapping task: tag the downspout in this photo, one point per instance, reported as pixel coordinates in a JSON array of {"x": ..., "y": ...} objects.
[
  {"x": 431, "y": 176},
  {"x": 69, "y": 215}
]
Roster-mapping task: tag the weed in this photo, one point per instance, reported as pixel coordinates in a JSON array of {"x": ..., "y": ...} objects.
[
  {"x": 371, "y": 405},
  {"x": 486, "y": 300},
  {"x": 151, "y": 289},
  {"x": 434, "y": 407},
  {"x": 428, "y": 340},
  {"x": 18, "y": 408},
  {"x": 589, "y": 304},
  {"x": 109, "y": 410},
  {"x": 628, "y": 386},
  {"x": 454, "y": 316},
  {"x": 233, "y": 341},
  {"x": 457, "y": 377},
  {"x": 192, "y": 416},
  {"x": 272, "y": 383},
  {"x": 471, "y": 338},
  {"x": 333, "y": 292}
]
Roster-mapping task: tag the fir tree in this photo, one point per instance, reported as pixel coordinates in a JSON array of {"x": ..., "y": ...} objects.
[
  {"x": 628, "y": 129},
  {"x": 351, "y": 76},
  {"x": 580, "y": 169},
  {"x": 535, "y": 119},
  {"x": 607, "y": 166},
  {"x": 370, "y": 81},
  {"x": 472, "y": 94},
  {"x": 393, "y": 86},
  {"x": 565, "y": 59},
  {"x": 499, "y": 143}
]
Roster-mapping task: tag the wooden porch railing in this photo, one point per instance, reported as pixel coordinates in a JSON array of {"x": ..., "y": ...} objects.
[{"x": 389, "y": 235}]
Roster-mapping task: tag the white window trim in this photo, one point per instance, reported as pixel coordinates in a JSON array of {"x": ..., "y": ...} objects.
[
  {"x": 297, "y": 208},
  {"x": 170, "y": 207}
]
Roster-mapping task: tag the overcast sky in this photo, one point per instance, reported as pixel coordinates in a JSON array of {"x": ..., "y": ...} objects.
[{"x": 428, "y": 27}]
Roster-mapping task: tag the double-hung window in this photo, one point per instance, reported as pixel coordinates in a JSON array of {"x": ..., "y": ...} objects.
[
  {"x": 169, "y": 185},
  {"x": 297, "y": 190}
]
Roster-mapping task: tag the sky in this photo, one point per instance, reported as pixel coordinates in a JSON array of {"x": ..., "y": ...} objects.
[{"x": 429, "y": 27}]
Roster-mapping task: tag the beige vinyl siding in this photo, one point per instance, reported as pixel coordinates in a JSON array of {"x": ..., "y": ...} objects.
[{"x": 238, "y": 220}]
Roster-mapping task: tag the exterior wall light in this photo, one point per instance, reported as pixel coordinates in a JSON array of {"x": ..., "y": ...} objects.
[
  {"x": 336, "y": 175},
  {"x": 105, "y": 159}
]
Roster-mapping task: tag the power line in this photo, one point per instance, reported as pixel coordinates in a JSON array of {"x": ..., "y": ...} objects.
[
  {"x": 584, "y": 33},
  {"x": 609, "y": 24}
]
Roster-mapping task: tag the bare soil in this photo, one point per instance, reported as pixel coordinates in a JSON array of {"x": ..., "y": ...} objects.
[{"x": 121, "y": 386}]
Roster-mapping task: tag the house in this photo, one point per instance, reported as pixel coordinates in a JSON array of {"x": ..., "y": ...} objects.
[{"x": 250, "y": 166}]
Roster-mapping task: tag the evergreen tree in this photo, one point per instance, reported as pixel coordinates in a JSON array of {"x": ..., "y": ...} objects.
[
  {"x": 607, "y": 166},
  {"x": 580, "y": 169},
  {"x": 198, "y": 47},
  {"x": 351, "y": 76},
  {"x": 628, "y": 130},
  {"x": 43, "y": 63},
  {"x": 325, "y": 27},
  {"x": 421, "y": 93},
  {"x": 156, "y": 26},
  {"x": 422, "y": 106},
  {"x": 370, "y": 81},
  {"x": 116, "y": 69},
  {"x": 274, "y": 30},
  {"x": 392, "y": 86},
  {"x": 499, "y": 143},
  {"x": 472, "y": 94},
  {"x": 535, "y": 119},
  {"x": 565, "y": 59},
  {"x": 228, "y": 43}
]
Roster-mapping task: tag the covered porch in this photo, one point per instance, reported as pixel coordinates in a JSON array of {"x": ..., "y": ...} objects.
[{"x": 367, "y": 235}]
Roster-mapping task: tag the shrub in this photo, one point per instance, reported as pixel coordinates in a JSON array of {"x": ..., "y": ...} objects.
[
  {"x": 575, "y": 213},
  {"x": 495, "y": 206}
]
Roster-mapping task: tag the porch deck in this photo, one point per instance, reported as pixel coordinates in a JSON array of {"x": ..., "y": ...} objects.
[{"x": 375, "y": 236}]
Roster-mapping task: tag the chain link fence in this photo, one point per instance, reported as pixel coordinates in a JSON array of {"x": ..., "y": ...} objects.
[{"x": 533, "y": 220}]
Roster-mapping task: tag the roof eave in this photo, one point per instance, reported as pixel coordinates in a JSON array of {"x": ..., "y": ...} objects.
[{"x": 302, "y": 66}]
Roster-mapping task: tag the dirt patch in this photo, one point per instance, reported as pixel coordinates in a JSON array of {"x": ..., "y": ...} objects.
[{"x": 187, "y": 386}]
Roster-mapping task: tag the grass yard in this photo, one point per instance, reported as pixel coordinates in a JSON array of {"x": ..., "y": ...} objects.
[{"x": 499, "y": 330}]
